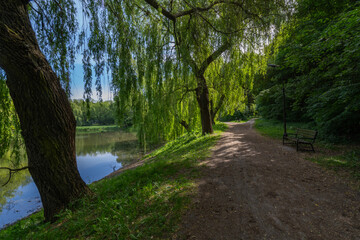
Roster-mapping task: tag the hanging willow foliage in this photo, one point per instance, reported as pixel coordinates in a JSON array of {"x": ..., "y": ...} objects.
[
  {"x": 168, "y": 59},
  {"x": 10, "y": 137},
  {"x": 161, "y": 52},
  {"x": 56, "y": 29}
]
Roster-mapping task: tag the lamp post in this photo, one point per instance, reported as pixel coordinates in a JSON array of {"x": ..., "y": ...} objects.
[{"x": 284, "y": 100}]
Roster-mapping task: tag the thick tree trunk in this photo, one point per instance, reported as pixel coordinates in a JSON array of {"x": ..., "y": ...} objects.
[
  {"x": 202, "y": 97},
  {"x": 46, "y": 118}
]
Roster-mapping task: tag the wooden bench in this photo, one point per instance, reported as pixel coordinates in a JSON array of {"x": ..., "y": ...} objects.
[{"x": 301, "y": 137}]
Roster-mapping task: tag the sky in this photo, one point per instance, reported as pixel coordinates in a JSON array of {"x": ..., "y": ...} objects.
[
  {"x": 77, "y": 85},
  {"x": 77, "y": 75}
]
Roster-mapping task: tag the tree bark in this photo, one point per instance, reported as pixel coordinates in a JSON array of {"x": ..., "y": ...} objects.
[
  {"x": 46, "y": 119},
  {"x": 202, "y": 97}
]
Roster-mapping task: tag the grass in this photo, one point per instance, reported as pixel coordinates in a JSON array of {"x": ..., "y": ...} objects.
[
  {"x": 142, "y": 203},
  {"x": 348, "y": 162},
  {"x": 335, "y": 157},
  {"x": 97, "y": 129},
  {"x": 241, "y": 121},
  {"x": 220, "y": 127}
]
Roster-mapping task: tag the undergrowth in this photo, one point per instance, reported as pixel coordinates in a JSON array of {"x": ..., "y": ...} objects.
[{"x": 275, "y": 129}]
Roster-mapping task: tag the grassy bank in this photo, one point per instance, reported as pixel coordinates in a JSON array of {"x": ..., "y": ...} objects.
[
  {"x": 143, "y": 203},
  {"x": 96, "y": 129},
  {"x": 340, "y": 158}
]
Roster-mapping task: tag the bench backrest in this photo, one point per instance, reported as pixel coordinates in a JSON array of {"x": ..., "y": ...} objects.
[{"x": 306, "y": 133}]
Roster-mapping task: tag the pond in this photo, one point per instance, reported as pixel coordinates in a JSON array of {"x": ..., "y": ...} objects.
[{"x": 98, "y": 154}]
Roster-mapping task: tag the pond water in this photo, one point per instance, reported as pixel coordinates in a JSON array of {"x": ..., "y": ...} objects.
[{"x": 98, "y": 154}]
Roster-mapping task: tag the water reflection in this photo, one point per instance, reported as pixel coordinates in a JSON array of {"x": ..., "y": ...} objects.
[
  {"x": 108, "y": 142},
  {"x": 97, "y": 155}
]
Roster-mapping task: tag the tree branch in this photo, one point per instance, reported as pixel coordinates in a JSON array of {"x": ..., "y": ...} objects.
[
  {"x": 246, "y": 11},
  {"x": 164, "y": 12},
  {"x": 186, "y": 92},
  {"x": 213, "y": 57},
  {"x": 218, "y": 106},
  {"x": 217, "y": 30},
  {"x": 11, "y": 171},
  {"x": 174, "y": 16},
  {"x": 197, "y": 9},
  {"x": 185, "y": 125}
]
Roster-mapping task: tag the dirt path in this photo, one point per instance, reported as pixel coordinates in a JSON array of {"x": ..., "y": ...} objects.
[{"x": 254, "y": 188}]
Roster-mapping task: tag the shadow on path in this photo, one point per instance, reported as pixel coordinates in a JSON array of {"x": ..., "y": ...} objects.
[{"x": 254, "y": 188}]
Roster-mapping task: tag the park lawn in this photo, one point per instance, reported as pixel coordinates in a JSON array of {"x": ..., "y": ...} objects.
[{"x": 142, "y": 203}]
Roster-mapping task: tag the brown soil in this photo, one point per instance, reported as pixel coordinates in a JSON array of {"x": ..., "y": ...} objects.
[{"x": 255, "y": 188}]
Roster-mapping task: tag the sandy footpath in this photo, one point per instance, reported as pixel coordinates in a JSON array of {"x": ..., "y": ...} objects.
[{"x": 254, "y": 188}]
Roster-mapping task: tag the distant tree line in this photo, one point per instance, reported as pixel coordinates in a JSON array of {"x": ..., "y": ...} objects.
[
  {"x": 318, "y": 58},
  {"x": 95, "y": 113}
]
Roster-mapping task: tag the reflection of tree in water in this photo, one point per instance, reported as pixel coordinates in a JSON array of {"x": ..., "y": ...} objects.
[
  {"x": 18, "y": 179},
  {"x": 122, "y": 144},
  {"x": 127, "y": 151}
]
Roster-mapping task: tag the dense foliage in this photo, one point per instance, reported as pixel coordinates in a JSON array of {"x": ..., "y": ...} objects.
[
  {"x": 319, "y": 61},
  {"x": 93, "y": 113},
  {"x": 9, "y": 124},
  {"x": 165, "y": 55},
  {"x": 159, "y": 52}
]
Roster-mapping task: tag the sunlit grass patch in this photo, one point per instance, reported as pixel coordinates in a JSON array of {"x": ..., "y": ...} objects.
[
  {"x": 142, "y": 203},
  {"x": 220, "y": 127}
]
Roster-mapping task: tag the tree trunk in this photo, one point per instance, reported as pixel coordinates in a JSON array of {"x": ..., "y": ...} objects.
[
  {"x": 46, "y": 119},
  {"x": 202, "y": 97}
]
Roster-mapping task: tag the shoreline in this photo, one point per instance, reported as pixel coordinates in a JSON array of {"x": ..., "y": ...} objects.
[{"x": 136, "y": 163}]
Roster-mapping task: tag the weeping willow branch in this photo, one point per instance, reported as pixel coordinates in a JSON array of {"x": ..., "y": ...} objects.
[
  {"x": 43, "y": 13},
  {"x": 218, "y": 30},
  {"x": 197, "y": 10},
  {"x": 185, "y": 125},
  {"x": 174, "y": 16},
  {"x": 214, "y": 111},
  {"x": 57, "y": 3},
  {"x": 11, "y": 171},
  {"x": 213, "y": 57}
]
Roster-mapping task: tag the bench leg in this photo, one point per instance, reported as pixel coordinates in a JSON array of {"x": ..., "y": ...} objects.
[{"x": 297, "y": 146}]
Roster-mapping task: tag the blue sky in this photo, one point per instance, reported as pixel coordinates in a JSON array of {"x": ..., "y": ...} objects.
[
  {"x": 77, "y": 85},
  {"x": 77, "y": 76}
]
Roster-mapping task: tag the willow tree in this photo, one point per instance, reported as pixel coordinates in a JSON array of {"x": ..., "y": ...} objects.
[
  {"x": 46, "y": 119},
  {"x": 206, "y": 32},
  {"x": 175, "y": 63}
]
